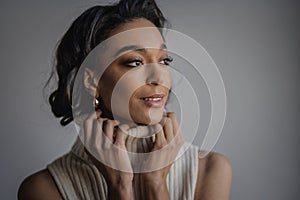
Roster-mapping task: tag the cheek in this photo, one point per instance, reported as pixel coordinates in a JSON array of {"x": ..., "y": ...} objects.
[
  {"x": 119, "y": 100},
  {"x": 107, "y": 84},
  {"x": 138, "y": 113},
  {"x": 121, "y": 95},
  {"x": 168, "y": 80},
  {"x": 105, "y": 91}
]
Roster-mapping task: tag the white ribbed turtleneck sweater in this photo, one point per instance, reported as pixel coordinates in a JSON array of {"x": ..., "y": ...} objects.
[{"x": 78, "y": 178}]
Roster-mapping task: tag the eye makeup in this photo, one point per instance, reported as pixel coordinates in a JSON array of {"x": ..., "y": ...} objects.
[{"x": 137, "y": 61}]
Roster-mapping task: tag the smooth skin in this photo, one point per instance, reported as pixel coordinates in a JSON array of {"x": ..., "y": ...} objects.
[
  {"x": 213, "y": 182},
  {"x": 214, "y": 172}
]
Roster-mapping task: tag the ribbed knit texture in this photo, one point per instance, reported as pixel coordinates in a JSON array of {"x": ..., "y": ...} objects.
[{"x": 78, "y": 178}]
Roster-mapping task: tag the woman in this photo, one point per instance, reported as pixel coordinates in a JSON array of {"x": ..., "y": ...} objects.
[{"x": 101, "y": 168}]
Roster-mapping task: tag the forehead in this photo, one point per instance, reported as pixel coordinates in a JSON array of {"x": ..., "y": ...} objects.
[
  {"x": 139, "y": 32},
  {"x": 137, "y": 24}
]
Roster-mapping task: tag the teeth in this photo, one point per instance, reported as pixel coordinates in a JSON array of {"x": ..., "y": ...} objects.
[{"x": 153, "y": 99}]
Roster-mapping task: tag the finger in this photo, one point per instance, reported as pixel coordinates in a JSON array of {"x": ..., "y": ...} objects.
[
  {"x": 96, "y": 138},
  {"x": 100, "y": 137},
  {"x": 98, "y": 113},
  {"x": 160, "y": 138},
  {"x": 168, "y": 129},
  {"x": 120, "y": 135},
  {"x": 112, "y": 125},
  {"x": 165, "y": 113},
  {"x": 178, "y": 138},
  {"x": 163, "y": 120},
  {"x": 87, "y": 127},
  {"x": 108, "y": 128},
  {"x": 175, "y": 124}
]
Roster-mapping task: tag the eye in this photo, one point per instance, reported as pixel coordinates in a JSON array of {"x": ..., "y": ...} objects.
[
  {"x": 167, "y": 60},
  {"x": 134, "y": 63}
]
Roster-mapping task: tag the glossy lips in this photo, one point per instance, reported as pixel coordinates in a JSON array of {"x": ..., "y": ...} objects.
[{"x": 155, "y": 100}]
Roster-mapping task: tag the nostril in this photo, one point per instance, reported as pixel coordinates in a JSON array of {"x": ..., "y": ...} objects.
[{"x": 153, "y": 83}]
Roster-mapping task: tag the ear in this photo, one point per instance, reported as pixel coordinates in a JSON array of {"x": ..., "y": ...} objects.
[{"x": 90, "y": 82}]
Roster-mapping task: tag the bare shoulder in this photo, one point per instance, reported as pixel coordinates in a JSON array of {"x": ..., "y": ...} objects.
[
  {"x": 214, "y": 177},
  {"x": 215, "y": 161},
  {"x": 39, "y": 185}
]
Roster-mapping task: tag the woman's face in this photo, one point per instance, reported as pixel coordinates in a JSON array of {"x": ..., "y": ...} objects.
[{"x": 136, "y": 85}]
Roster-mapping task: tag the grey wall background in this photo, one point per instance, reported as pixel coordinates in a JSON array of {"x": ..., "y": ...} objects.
[{"x": 254, "y": 43}]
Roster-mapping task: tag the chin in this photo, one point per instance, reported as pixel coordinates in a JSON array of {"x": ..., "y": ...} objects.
[{"x": 148, "y": 118}]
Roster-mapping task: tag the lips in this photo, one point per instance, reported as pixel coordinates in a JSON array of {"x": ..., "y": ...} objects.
[{"x": 155, "y": 100}]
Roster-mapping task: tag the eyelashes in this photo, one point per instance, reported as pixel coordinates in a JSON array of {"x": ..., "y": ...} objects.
[
  {"x": 136, "y": 62},
  {"x": 168, "y": 60}
]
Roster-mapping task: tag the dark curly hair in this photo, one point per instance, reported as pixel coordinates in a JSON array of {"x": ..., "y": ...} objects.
[{"x": 88, "y": 30}]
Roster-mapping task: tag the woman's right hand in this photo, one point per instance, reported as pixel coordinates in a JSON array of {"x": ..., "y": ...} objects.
[{"x": 106, "y": 147}]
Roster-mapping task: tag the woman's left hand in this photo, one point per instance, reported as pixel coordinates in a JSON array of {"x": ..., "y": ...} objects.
[{"x": 168, "y": 141}]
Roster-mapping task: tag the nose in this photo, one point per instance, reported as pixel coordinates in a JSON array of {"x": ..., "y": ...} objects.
[{"x": 157, "y": 75}]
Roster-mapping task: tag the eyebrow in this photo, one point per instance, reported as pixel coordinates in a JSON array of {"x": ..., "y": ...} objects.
[{"x": 136, "y": 48}]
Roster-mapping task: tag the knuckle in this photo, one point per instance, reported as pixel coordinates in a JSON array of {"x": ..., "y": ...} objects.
[
  {"x": 116, "y": 123},
  {"x": 109, "y": 122},
  {"x": 91, "y": 117},
  {"x": 168, "y": 121},
  {"x": 104, "y": 124},
  {"x": 157, "y": 128},
  {"x": 171, "y": 114},
  {"x": 119, "y": 144},
  {"x": 159, "y": 145}
]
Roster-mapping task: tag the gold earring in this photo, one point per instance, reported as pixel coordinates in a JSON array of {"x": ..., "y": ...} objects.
[{"x": 96, "y": 102}]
